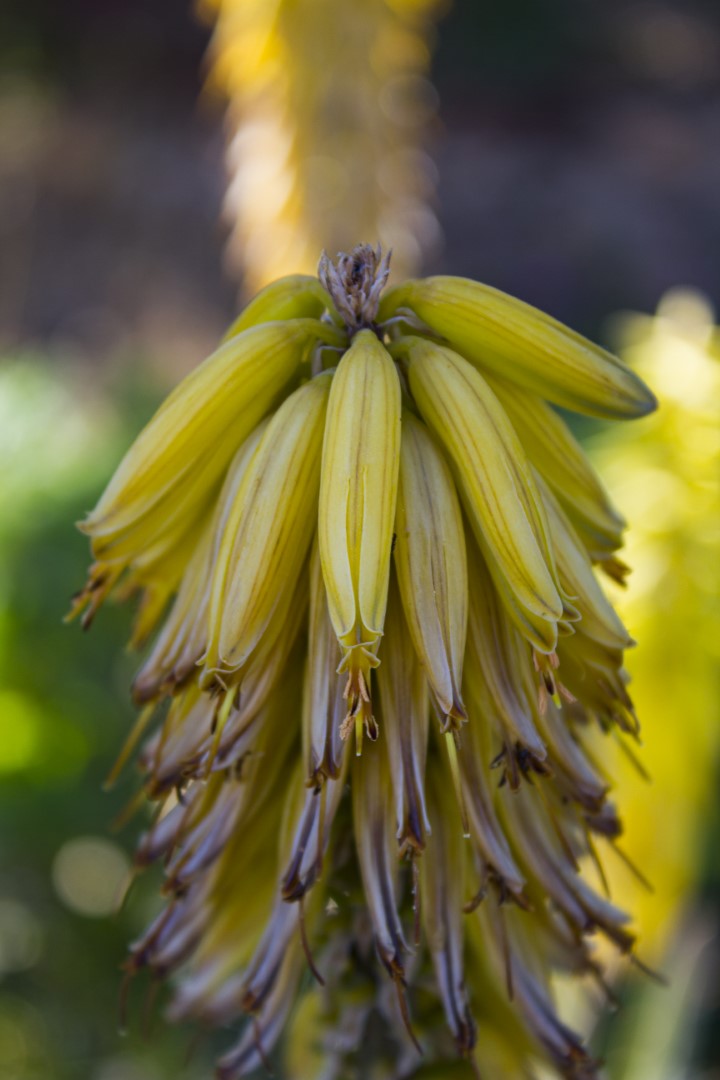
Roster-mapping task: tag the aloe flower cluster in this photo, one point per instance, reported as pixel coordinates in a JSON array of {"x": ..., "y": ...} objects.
[{"x": 367, "y": 715}]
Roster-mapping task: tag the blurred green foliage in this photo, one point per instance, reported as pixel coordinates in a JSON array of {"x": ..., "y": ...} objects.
[{"x": 64, "y": 710}]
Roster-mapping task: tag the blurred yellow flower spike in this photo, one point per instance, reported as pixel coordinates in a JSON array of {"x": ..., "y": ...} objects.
[
  {"x": 329, "y": 109},
  {"x": 362, "y": 535},
  {"x": 668, "y": 472}
]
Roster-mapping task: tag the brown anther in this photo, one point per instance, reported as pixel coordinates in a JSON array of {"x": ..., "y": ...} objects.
[
  {"x": 397, "y": 974},
  {"x": 359, "y": 711}
]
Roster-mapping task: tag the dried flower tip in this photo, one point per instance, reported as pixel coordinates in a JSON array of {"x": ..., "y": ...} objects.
[{"x": 355, "y": 282}]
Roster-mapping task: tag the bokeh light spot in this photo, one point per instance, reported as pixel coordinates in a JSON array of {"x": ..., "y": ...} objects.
[
  {"x": 20, "y": 937},
  {"x": 23, "y": 1041},
  {"x": 89, "y": 874}
]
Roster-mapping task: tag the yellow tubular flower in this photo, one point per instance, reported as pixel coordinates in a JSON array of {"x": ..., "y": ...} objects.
[
  {"x": 323, "y": 702},
  {"x": 359, "y": 489},
  {"x": 377, "y": 858},
  {"x": 517, "y": 342},
  {"x": 560, "y": 460},
  {"x": 405, "y": 716},
  {"x": 294, "y": 297},
  {"x": 430, "y": 564},
  {"x": 269, "y": 529},
  {"x": 443, "y": 893},
  {"x": 365, "y": 530},
  {"x": 358, "y": 493},
  {"x": 183, "y": 638},
  {"x": 168, "y": 478},
  {"x": 254, "y": 369},
  {"x": 495, "y": 481}
]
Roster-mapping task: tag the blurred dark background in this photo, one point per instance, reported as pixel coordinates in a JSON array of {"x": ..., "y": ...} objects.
[{"x": 578, "y": 157}]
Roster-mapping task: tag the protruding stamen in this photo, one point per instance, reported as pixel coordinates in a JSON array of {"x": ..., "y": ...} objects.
[
  {"x": 359, "y": 717},
  {"x": 130, "y": 743}
]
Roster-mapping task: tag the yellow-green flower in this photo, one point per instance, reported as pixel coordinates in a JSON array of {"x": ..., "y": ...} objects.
[{"x": 378, "y": 537}]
